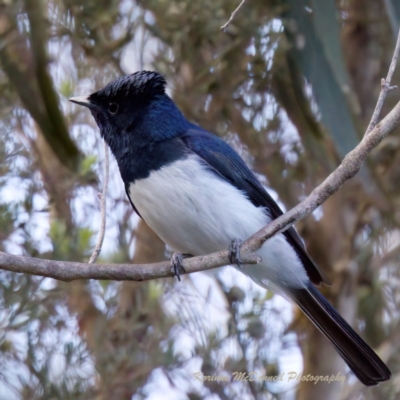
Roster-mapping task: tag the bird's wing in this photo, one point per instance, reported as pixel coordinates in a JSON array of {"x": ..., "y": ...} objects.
[{"x": 224, "y": 161}]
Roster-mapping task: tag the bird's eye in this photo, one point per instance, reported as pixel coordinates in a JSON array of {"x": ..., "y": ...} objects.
[{"x": 113, "y": 108}]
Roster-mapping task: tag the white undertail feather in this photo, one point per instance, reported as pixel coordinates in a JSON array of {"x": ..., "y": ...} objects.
[{"x": 197, "y": 212}]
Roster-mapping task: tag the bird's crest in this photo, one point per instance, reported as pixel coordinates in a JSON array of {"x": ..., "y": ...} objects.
[{"x": 141, "y": 83}]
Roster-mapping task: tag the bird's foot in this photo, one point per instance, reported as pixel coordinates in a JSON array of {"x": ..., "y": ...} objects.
[
  {"x": 177, "y": 265},
  {"x": 234, "y": 252}
]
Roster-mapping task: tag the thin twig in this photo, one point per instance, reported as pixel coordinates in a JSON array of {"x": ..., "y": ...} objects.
[
  {"x": 350, "y": 165},
  {"x": 385, "y": 87},
  {"x": 223, "y": 27},
  {"x": 103, "y": 197}
]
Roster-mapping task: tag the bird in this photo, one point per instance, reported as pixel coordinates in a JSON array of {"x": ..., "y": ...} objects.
[{"x": 199, "y": 197}]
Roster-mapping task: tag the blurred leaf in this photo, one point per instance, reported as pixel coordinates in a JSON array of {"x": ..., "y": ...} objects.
[
  {"x": 61, "y": 242},
  {"x": 84, "y": 237},
  {"x": 87, "y": 175},
  {"x": 256, "y": 329},
  {"x": 393, "y": 11},
  {"x": 66, "y": 88},
  {"x": 313, "y": 31}
]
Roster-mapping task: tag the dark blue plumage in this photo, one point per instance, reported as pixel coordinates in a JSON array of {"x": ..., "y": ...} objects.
[{"x": 198, "y": 195}]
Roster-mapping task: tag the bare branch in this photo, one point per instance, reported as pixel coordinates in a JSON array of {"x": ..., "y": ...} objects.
[
  {"x": 350, "y": 165},
  {"x": 103, "y": 198},
  {"x": 69, "y": 271},
  {"x": 21, "y": 64},
  {"x": 56, "y": 131},
  {"x": 385, "y": 87},
  {"x": 223, "y": 27}
]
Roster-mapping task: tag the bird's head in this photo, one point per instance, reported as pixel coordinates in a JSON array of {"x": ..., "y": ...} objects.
[{"x": 134, "y": 109}]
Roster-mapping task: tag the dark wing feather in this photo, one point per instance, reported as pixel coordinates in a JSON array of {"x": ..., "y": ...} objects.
[
  {"x": 126, "y": 184},
  {"x": 227, "y": 163}
]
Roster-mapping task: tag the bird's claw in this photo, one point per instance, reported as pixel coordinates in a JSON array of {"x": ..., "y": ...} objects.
[
  {"x": 234, "y": 252},
  {"x": 177, "y": 265}
]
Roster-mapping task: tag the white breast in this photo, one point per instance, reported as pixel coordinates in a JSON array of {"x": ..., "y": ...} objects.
[{"x": 196, "y": 212}]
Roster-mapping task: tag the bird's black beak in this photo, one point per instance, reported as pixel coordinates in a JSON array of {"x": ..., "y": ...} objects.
[{"x": 82, "y": 101}]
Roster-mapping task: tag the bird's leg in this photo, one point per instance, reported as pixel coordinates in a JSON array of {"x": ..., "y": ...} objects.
[
  {"x": 234, "y": 252},
  {"x": 177, "y": 264}
]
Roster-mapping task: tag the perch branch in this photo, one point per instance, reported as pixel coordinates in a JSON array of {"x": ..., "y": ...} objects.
[
  {"x": 385, "y": 87},
  {"x": 103, "y": 198},
  {"x": 223, "y": 27}
]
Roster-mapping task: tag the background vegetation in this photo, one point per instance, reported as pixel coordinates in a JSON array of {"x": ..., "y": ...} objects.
[{"x": 292, "y": 84}]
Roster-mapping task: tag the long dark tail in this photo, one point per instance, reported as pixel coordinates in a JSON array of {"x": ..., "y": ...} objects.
[{"x": 361, "y": 359}]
